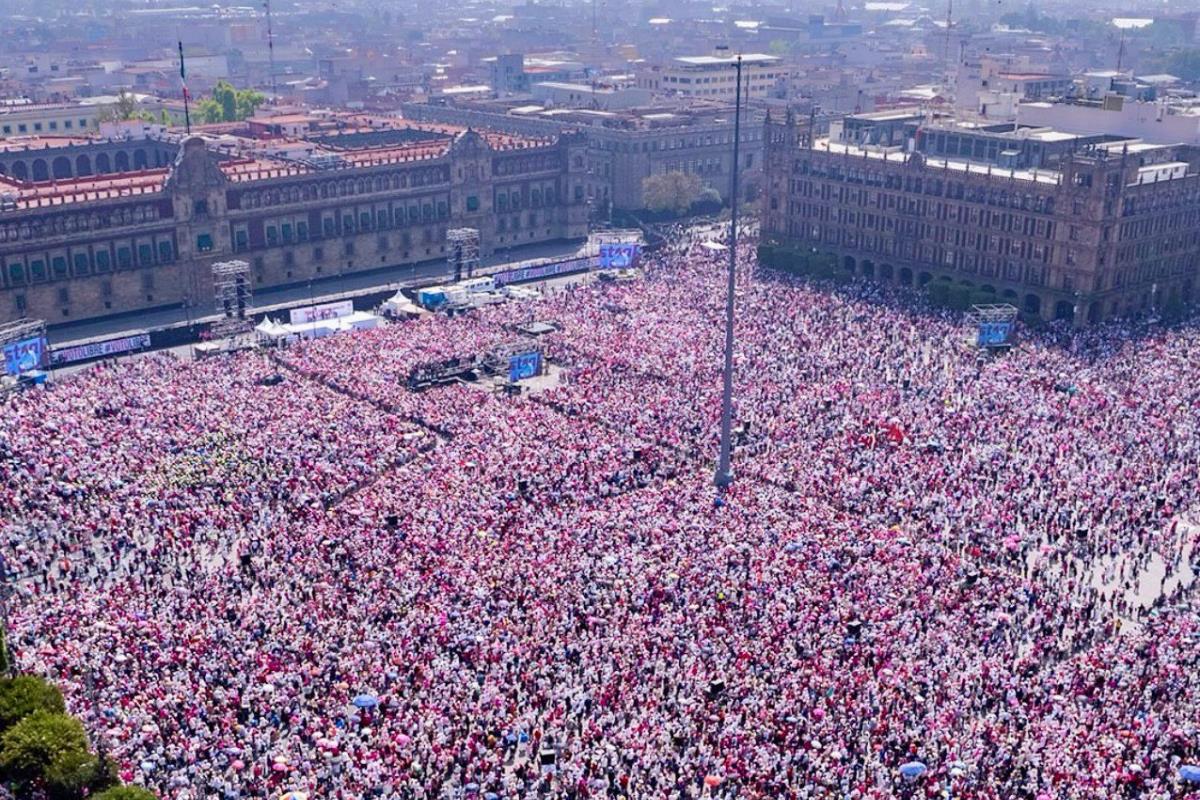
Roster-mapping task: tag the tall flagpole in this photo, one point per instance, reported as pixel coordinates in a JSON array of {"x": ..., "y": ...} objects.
[
  {"x": 724, "y": 475},
  {"x": 187, "y": 114}
]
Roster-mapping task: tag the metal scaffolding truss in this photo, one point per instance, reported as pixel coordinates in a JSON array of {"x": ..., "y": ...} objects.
[
  {"x": 596, "y": 239},
  {"x": 233, "y": 295},
  {"x": 463, "y": 246},
  {"x": 21, "y": 329}
]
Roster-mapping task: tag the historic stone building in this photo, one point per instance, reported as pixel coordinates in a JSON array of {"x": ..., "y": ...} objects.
[
  {"x": 104, "y": 242},
  {"x": 1112, "y": 230}
]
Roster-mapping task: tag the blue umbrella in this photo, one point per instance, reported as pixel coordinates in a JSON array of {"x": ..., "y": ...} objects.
[
  {"x": 913, "y": 769},
  {"x": 1190, "y": 773},
  {"x": 366, "y": 701}
]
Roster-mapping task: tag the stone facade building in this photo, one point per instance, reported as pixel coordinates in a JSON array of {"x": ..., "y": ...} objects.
[
  {"x": 625, "y": 148},
  {"x": 1113, "y": 230},
  {"x": 103, "y": 244}
]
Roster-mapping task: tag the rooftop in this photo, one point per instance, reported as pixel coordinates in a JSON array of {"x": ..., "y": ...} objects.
[{"x": 713, "y": 61}]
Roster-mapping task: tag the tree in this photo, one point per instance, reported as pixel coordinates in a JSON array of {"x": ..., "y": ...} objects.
[
  {"x": 671, "y": 191},
  {"x": 226, "y": 96},
  {"x": 122, "y": 110},
  {"x": 209, "y": 111},
  {"x": 25, "y": 694},
  {"x": 70, "y": 774},
  {"x": 41, "y": 743},
  {"x": 125, "y": 793},
  {"x": 247, "y": 102}
]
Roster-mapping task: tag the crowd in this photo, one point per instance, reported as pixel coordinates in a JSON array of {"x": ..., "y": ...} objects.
[{"x": 936, "y": 574}]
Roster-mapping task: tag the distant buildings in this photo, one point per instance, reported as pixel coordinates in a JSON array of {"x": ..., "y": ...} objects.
[{"x": 712, "y": 77}]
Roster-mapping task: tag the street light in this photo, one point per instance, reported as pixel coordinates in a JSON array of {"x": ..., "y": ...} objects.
[{"x": 724, "y": 475}]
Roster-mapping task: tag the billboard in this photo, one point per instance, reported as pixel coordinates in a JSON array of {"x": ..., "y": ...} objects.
[
  {"x": 25, "y": 355},
  {"x": 109, "y": 347},
  {"x": 340, "y": 308},
  {"x": 524, "y": 365},
  {"x": 994, "y": 334},
  {"x": 618, "y": 255},
  {"x": 538, "y": 272}
]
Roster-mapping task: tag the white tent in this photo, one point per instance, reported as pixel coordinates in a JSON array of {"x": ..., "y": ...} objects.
[{"x": 399, "y": 306}]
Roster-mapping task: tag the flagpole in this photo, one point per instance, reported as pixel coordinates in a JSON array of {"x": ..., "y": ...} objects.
[
  {"x": 724, "y": 475},
  {"x": 187, "y": 114}
]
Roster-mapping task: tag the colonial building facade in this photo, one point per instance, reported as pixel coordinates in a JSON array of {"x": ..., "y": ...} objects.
[
  {"x": 105, "y": 243},
  {"x": 1112, "y": 230}
]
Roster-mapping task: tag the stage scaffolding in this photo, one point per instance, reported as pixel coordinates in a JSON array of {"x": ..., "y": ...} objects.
[
  {"x": 233, "y": 296},
  {"x": 463, "y": 246}
]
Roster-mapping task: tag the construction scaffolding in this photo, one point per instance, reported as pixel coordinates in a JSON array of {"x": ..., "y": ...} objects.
[
  {"x": 233, "y": 295},
  {"x": 463, "y": 246}
]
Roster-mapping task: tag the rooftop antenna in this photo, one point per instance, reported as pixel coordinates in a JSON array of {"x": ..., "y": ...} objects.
[
  {"x": 1121, "y": 50},
  {"x": 187, "y": 114},
  {"x": 271, "y": 51}
]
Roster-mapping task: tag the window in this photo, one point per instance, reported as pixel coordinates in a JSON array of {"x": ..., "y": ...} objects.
[
  {"x": 147, "y": 281},
  {"x": 83, "y": 123},
  {"x": 59, "y": 265},
  {"x": 21, "y": 303},
  {"x": 318, "y": 253},
  {"x": 64, "y": 295},
  {"x": 472, "y": 203},
  {"x": 349, "y": 248},
  {"x": 204, "y": 243},
  {"x": 166, "y": 253},
  {"x": 145, "y": 255},
  {"x": 103, "y": 260},
  {"x": 81, "y": 264}
]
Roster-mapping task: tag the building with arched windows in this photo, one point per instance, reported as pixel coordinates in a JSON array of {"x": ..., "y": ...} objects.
[
  {"x": 90, "y": 229},
  {"x": 1063, "y": 227}
]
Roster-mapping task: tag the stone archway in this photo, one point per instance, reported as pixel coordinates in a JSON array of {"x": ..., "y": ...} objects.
[
  {"x": 139, "y": 159},
  {"x": 849, "y": 264},
  {"x": 868, "y": 269},
  {"x": 83, "y": 166},
  {"x": 41, "y": 172},
  {"x": 103, "y": 164},
  {"x": 121, "y": 161},
  {"x": 61, "y": 168},
  {"x": 887, "y": 273},
  {"x": 906, "y": 276},
  {"x": 20, "y": 171},
  {"x": 1095, "y": 312},
  {"x": 1033, "y": 304},
  {"x": 924, "y": 278},
  {"x": 1064, "y": 310}
]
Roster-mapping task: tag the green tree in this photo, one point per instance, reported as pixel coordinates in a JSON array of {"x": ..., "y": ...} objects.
[
  {"x": 226, "y": 97},
  {"x": 40, "y": 745},
  {"x": 125, "y": 793},
  {"x": 122, "y": 110},
  {"x": 25, "y": 694},
  {"x": 70, "y": 774},
  {"x": 247, "y": 103},
  {"x": 671, "y": 191},
  {"x": 209, "y": 111}
]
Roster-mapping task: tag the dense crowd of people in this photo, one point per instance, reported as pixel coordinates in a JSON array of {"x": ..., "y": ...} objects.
[{"x": 937, "y": 573}]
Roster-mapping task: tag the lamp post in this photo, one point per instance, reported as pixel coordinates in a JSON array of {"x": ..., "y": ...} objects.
[{"x": 724, "y": 475}]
